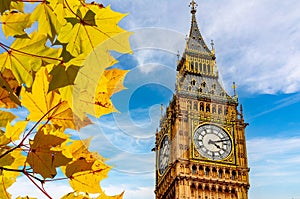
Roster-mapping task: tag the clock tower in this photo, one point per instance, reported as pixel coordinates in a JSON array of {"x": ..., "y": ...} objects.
[{"x": 201, "y": 146}]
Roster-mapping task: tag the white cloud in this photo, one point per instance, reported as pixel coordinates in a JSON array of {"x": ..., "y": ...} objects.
[{"x": 257, "y": 42}]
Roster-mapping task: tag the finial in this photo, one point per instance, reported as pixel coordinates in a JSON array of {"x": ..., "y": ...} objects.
[
  {"x": 212, "y": 44},
  {"x": 193, "y": 6},
  {"x": 234, "y": 88},
  {"x": 161, "y": 110}
]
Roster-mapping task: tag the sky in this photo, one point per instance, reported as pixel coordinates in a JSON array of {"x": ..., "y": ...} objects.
[{"x": 257, "y": 45}]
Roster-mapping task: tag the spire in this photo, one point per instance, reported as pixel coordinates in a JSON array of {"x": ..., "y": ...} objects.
[{"x": 195, "y": 41}]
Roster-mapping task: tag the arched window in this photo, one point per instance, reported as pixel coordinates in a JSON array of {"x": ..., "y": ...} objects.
[
  {"x": 196, "y": 66},
  {"x": 200, "y": 64},
  {"x": 204, "y": 68},
  {"x": 194, "y": 169},
  {"x": 192, "y": 65},
  {"x": 208, "y": 69},
  {"x": 220, "y": 173},
  {"x": 195, "y": 105},
  {"x": 207, "y": 107},
  {"x": 193, "y": 82},
  {"x": 233, "y": 175},
  {"x": 214, "y": 110},
  {"x": 201, "y": 106},
  {"x": 220, "y": 109},
  {"x": 207, "y": 170}
]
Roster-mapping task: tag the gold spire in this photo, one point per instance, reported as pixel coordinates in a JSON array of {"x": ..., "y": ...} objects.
[{"x": 193, "y": 6}]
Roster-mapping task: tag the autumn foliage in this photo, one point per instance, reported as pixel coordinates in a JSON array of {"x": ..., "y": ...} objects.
[{"x": 56, "y": 63}]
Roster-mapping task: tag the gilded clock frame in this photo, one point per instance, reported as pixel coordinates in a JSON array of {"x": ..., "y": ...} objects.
[{"x": 196, "y": 155}]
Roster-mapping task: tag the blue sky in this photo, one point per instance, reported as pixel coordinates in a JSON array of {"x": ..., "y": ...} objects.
[{"x": 257, "y": 46}]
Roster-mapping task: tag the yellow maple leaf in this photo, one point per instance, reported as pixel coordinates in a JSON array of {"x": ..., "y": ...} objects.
[
  {"x": 6, "y": 117},
  {"x": 14, "y": 23},
  {"x": 48, "y": 23},
  {"x": 115, "y": 79},
  {"x": 26, "y": 56},
  {"x": 49, "y": 105},
  {"x": 12, "y": 133},
  {"x": 96, "y": 24},
  {"x": 45, "y": 153},
  {"x": 13, "y": 160}
]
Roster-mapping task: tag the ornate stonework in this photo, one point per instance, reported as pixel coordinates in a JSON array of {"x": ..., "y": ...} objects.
[{"x": 201, "y": 104}]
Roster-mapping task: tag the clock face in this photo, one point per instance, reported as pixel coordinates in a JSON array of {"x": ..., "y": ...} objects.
[
  {"x": 212, "y": 142},
  {"x": 164, "y": 155}
]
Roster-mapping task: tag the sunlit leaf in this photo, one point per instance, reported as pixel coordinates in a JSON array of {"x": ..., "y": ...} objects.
[
  {"x": 49, "y": 105},
  {"x": 96, "y": 25},
  {"x": 48, "y": 23},
  {"x": 26, "y": 56},
  {"x": 14, "y": 23}
]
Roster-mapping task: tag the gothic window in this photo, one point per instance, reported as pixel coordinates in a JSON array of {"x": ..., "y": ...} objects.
[
  {"x": 192, "y": 65},
  {"x": 220, "y": 173},
  {"x": 194, "y": 169},
  {"x": 196, "y": 66},
  {"x": 193, "y": 82},
  {"x": 203, "y": 84},
  {"x": 201, "y": 106},
  {"x": 207, "y": 170},
  {"x": 220, "y": 109},
  {"x": 204, "y": 68},
  {"x": 207, "y": 107},
  {"x": 200, "y": 64},
  {"x": 208, "y": 69},
  {"x": 195, "y": 105},
  {"x": 233, "y": 175},
  {"x": 200, "y": 90},
  {"x": 214, "y": 109}
]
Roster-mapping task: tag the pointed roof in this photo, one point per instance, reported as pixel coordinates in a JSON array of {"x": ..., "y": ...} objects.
[{"x": 195, "y": 41}]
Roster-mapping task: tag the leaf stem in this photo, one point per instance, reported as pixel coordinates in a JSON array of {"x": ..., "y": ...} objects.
[
  {"x": 31, "y": 130},
  {"x": 8, "y": 48}
]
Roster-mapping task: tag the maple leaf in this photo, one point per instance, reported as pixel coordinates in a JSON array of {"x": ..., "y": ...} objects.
[
  {"x": 6, "y": 117},
  {"x": 46, "y": 105},
  {"x": 97, "y": 26},
  {"x": 13, "y": 160},
  {"x": 87, "y": 169},
  {"x": 9, "y": 90},
  {"x": 48, "y": 23},
  {"x": 62, "y": 77},
  {"x": 115, "y": 79},
  {"x": 12, "y": 133},
  {"x": 14, "y": 23},
  {"x": 26, "y": 56},
  {"x": 4, "y": 5},
  {"x": 45, "y": 153}
]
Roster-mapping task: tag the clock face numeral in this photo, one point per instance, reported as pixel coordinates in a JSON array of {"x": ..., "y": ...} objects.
[
  {"x": 212, "y": 142},
  {"x": 164, "y": 155}
]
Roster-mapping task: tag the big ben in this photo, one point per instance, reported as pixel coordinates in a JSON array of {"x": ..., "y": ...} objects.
[{"x": 200, "y": 145}]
